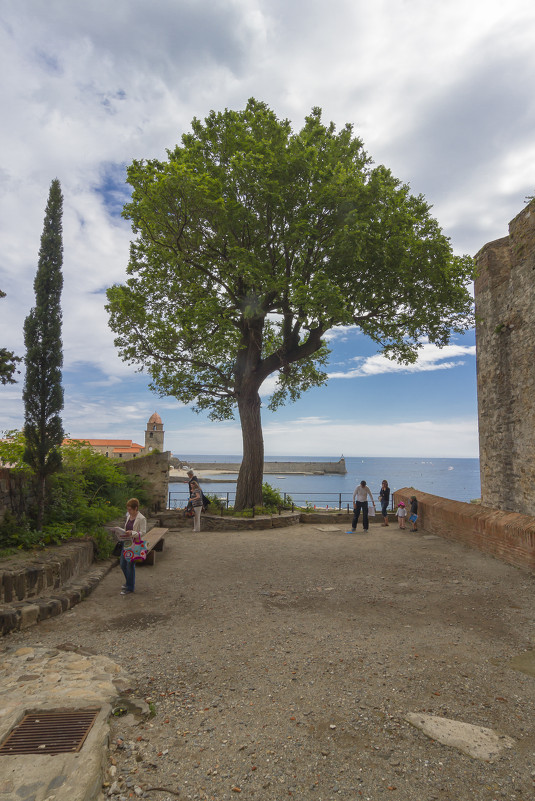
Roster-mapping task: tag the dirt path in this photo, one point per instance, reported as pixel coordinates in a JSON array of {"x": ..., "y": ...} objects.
[{"x": 282, "y": 664}]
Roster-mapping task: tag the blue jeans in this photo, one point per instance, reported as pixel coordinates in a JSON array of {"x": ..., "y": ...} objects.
[
  {"x": 356, "y": 512},
  {"x": 129, "y": 570}
]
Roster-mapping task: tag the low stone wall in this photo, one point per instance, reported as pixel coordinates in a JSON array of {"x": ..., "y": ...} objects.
[
  {"x": 44, "y": 572},
  {"x": 509, "y": 536},
  {"x": 327, "y": 517},
  {"x": 175, "y": 519}
]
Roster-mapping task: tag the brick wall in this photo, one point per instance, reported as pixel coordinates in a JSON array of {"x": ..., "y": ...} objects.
[
  {"x": 509, "y": 536},
  {"x": 505, "y": 338}
]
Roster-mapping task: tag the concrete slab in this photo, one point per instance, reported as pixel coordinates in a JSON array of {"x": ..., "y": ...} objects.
[
  {"x": 525, "y": 663},
  {"x": 329, "y": 528},
  {"x": 63, "y": 777},
  {"x": 65, "y": 678},
  {"x": 476, "y": 741}
]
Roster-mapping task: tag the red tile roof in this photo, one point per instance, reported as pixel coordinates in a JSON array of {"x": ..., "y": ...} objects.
[
  {"x": 122, "y": 444},
  {"x": 133, "y": 449}
]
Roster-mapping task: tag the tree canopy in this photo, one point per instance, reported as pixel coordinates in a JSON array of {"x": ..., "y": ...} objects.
[
  {"x": 251, "y": 242},
  {"x": 8, "y": 362}
]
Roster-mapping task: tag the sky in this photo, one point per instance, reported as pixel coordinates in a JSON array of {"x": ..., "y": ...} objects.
[{"x": 441, "y": 93}]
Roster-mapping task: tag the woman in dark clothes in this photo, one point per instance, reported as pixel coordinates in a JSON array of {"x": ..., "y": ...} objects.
[{"x": 384, "y": 498}]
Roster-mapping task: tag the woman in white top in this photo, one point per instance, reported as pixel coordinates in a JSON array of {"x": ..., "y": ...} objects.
[
  {"x": 195, "y": 496},
  {"x": 137, "y": 524}
]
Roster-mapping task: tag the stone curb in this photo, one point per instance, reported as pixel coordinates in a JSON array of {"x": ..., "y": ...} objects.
[
  {"x": 214, "y": 522},
  {"x": 23, "y": 614}
]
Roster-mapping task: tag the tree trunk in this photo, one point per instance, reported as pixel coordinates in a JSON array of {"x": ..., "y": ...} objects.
[
  {"x": 249, "y": 487},
  {"x": 41, "y": 494}
]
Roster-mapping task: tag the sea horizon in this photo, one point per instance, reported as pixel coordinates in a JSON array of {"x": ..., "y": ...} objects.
[{"x": 454, "y": 478}]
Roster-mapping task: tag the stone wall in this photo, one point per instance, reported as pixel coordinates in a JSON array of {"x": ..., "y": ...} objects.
[
  {"x": 15, "y": 492},
  {"x": 505, "y": 337},
  {"x": 174, "y": 518},
  {"x": 44, "y": 572},
  {"x": 154, "y": 469},
  {"x": 509, "y": 536}
]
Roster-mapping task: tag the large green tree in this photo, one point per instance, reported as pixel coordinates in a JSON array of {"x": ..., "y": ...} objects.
[
  {"x": 43, "y": 393},
  {"x": 251, "y": 242},
  {"x": 8, "y": 361}
]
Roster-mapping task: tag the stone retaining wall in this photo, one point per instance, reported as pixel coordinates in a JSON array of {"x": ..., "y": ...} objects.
[
  {"x": 44, "y": 572},
  {"x": 509, "y": 536},
  {"x": 22, "y": 614},
  {"x": 175, "y": 519}
]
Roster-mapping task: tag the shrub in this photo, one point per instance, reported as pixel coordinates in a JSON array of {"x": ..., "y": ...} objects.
[
  {"x": 86, "y": 493},
  {"x": 15, "y": 532},
  {"x": 272, "y": 501},
  {"x": 272, "y": 498}
]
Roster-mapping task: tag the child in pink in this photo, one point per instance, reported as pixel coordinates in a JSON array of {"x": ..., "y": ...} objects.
[{"x": 401, "y": 514}]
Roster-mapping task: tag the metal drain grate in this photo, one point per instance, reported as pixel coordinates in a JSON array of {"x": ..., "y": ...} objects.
[{"x": 54, "y": 732}]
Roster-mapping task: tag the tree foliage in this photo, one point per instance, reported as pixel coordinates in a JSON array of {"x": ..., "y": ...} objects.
[
  {"x": 251, "y": 242},
  {"x": 8, "y": 362},
  {"x": 43, "y": 393},
  {"x": 86, "y": 492}
]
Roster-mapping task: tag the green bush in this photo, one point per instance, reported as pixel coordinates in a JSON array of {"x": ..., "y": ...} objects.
[
  {"x": 104, "y": 542},
  {"x": 87, "y": 492},
  {"x": 273, "y": 499},
  {"x": 16, "y": 533}
]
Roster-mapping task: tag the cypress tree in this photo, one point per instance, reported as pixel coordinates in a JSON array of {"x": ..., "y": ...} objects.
[{"x": 43, "y": 393}]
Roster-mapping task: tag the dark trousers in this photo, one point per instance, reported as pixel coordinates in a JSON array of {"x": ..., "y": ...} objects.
[
  {"x": 356, "y": 512},
  {"x": 129, "y": 571}
]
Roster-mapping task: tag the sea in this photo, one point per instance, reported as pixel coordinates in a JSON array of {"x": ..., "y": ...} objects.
[{"x": 456, "y": 479}]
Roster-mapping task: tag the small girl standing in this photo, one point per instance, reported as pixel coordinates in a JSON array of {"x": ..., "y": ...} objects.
[
  {"x": 401, "y": 514},
  {"x": 414, "y": 513}
]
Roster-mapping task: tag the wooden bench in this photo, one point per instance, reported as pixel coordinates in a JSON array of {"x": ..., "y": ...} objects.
[{"x": 155, "y": 540}]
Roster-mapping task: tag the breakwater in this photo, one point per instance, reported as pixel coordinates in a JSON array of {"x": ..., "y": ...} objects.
[{"x": 271, "y": 468}]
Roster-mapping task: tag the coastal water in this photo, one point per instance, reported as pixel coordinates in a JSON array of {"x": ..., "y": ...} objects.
[{"x": 457, "y": 479}]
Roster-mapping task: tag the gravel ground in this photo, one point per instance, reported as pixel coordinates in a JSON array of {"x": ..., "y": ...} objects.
[{"x": 281, "y": 664}]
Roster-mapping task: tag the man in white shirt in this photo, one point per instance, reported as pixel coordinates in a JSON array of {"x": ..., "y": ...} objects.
[{"x": 360, "y": 501}]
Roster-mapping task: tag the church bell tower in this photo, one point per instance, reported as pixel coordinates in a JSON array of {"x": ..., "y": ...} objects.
[{"x": 154, "y": 434}]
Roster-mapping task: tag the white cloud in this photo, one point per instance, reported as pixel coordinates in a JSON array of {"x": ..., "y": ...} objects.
[
  {"x": 430, "y": 357},
  {"x": 323, "y": 437},
  {"x": 340, "y": 333},
  {"x": 455, "y": 438},
  {"x": 439, "y": 92}
]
